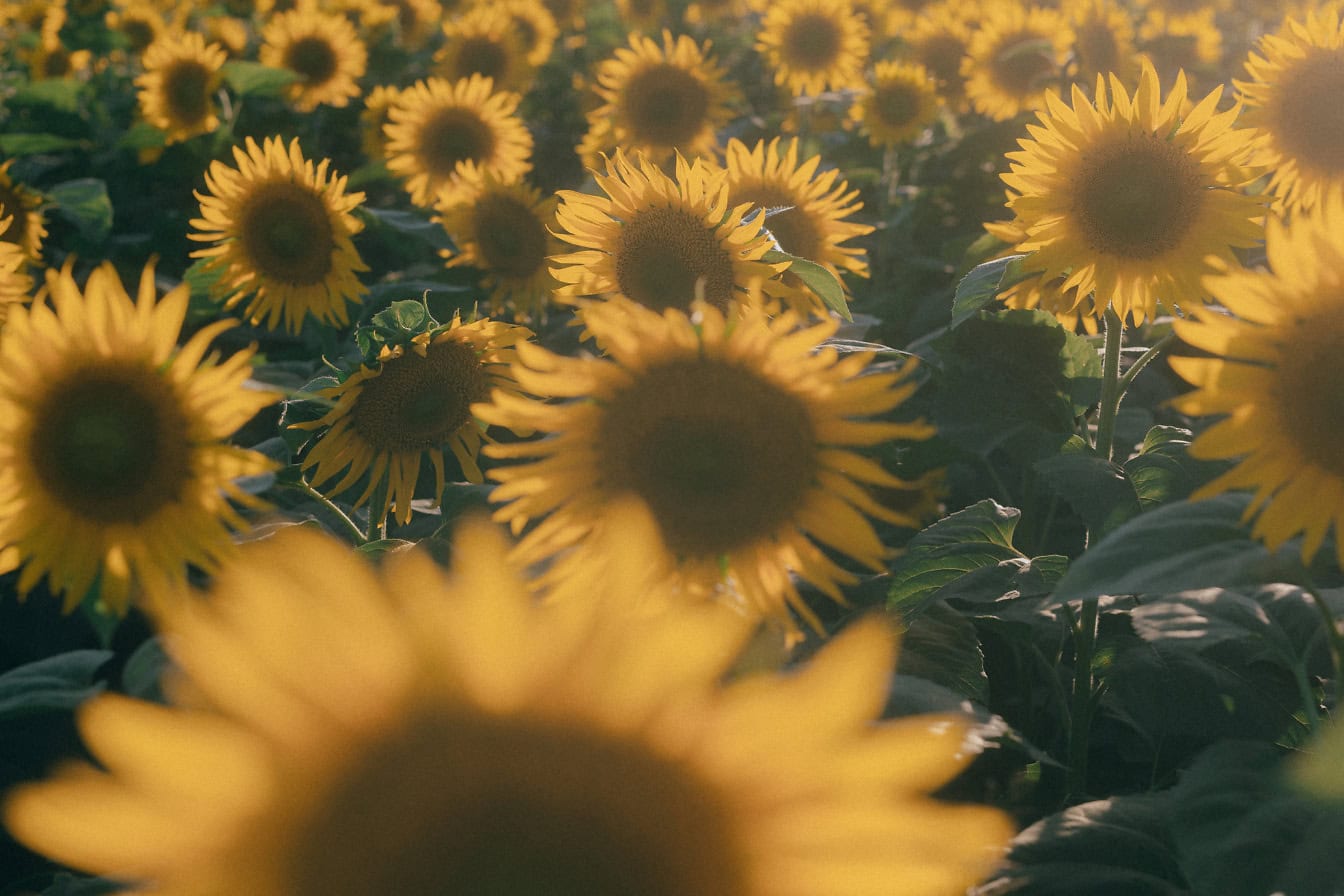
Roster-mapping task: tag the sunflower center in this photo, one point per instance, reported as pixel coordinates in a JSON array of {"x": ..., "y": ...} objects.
[
  {"x": 1022, "y": 63},
  {"x": 138, "y": 33},
  {"x": 665, "y": 254},
  {"x": 665, "y": 105},
  {"x": 722, "y": 456},
  {"x": 510, "y": 239},
  {"x": 451, "y": 136},
  {"x": 791, "y": 227},
  {"x": 1309, "y": 123},
  {"x": 186, "y": 91},
  {"x": 57, "y": 63},
  {"x": 286, "y": 233},
  {"x": 895, "y": 104},
  {"x": 1096, "y": 47},
  {"x": 811, "y": 42},
  {"x": 1308, "y": 392},
  {"x": 313, "y": 58},
  {"x": 487, "y": 806},
  {"x": 481, "y": 54},
  {"x": 111, "y": 444},
  {"x": 941, "y": 55},
  {"x": 1137, "y": 197},
  {"x": 416, "y": 403}
]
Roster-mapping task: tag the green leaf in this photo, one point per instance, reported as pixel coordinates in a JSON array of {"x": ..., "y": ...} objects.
[
  {"x": 65, "y": 884},
  {"x": 983, "y": 283},
  {"x": 815, "y": 277},
  {"x": 14, "y": 145},
  {"x": 970, "y": 539},
  {"x": 60, "y": 94},
  {"x": 385, "y": 546},
  {"x": 1316, "y": 771},
  {"x": 252, "y": 78},
  {"x": 142, "y": 135},
  {"x": 1163, "y": 470},
  {"x": 940, "y": 645},
  {"x": 409, "y": 224},
  {"x": 1198, "y": 620},
  {"x": 143, "y": 672},
  {"x": 396, "y": 325},
  {"x": 85, "y": 203},
  {"x": 1097, "y": 490},
  {"x": 54, "y": 684}
]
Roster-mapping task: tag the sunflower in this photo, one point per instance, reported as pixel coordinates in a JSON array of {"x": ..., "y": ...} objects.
[
  {"x": 1103, "y": 41},
  {"x": 504, "y": 230},
  {"x": 1272, "y": 373},
  {"x": 898, "y": 106},
  {"x": 811, "y": 208},
  {"x": 234, "y": 35},
  {"x": 639, "y": 16},
  {"x": 814, "y": 45},
  {"x": 1292, "y": 98},
  {"x": 417, "y": 732},
  {"x": 415, "y": 21},
  {"x": 281, "y": 229},
  {"x": 114, "y": 465},
  {"x": 176, "y": 90},
  {"x": 16, "y": 286},
  {"x": 24, "y": 205},
  {"x": 373, "y": 119},
  {"x": 535, "y": 26},
  {"x": 658, "y": 100},
  {"x": 436, "y": 126},
  {"x": 938, "y": 40},
  {"x": 138, "y": 22},
  {"x": 411, "y": 406},
  {"x": 1015, "y": 59},
  {"x": 736, "y": 432},
  {"x": 324, "y": 51},
  {"x": 1130, "y": 198},
  {"x": 484, "y": 42},
  {"x": 662, "y": 242},
  {"x": 52, "y": 59},
  {"x": 1190, "y": 43}
]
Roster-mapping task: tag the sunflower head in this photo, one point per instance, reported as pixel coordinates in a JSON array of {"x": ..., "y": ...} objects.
[
  {"x": 814, "y": 45},
  {"x": 1189, "y": 42},
  {"x": 281, "y": 231},
  {"x": 15, "y": 284},
  {"x": 323, "y": 51},
  {"x": 937, "y": 40},
  {"x": 138, "y": 22},
  {"x": 177, "y": 87},
  {"x": 1103, "y": 41},
  {"x": 900, "y": 103},
  {"x": 1015, "y": 59},
  {"x": 484, "y": 41},
  {"x": 23, "y": 206}
]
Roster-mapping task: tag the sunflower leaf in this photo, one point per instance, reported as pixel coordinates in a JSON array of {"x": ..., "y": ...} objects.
[
  {"x": 53, "y": 684},
  {"x": 12, "y": 145},
  {"x": 85, "y": 203},
  {"x": 981, "y": 286},
  {"x": 815, "y": 277},
  {"x": 252, "y": 78}
]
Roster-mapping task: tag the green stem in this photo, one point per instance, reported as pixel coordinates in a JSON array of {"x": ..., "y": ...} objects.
[
  {"x": 1154, "y": 351},
  {"x": 891, "y": 177},
  {"x": 1110, "y": 384},
  {"x": 377, "y": 528},
  {"x": 1333, "y": 639},
  {"x": 1080, "y": 714},
  {"x": 326, "y": 502}
]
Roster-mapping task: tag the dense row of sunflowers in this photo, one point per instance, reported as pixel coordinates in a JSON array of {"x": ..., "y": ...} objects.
[{"x": 491, "y": 447}]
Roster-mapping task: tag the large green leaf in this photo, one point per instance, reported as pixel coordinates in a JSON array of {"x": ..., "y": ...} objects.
[
  {"x": 815, "y": 277},
  {"x": 982, "y": 284},
  {"x": 1097, "y": 489},
  {"x": 54, "y": 684},
  {"x": 14, "y": 145},
  {"x": 1163, "y": 471},
  {"x": 978, "y": 536},
  {"x": 941, "y": 645},
  {"x": 85, "y": 203},
  {"x": 252, "y": 78}
]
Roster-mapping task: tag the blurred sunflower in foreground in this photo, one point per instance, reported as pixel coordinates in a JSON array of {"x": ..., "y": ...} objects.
[
  {"x": 418, "y": 732},
  {"x": 178, "y": 85},
  {"x": 114, "y": 462},
  {"x": 281, "y": 229},
  {"x": 1274, "y": 375},
  {"x": 1129, "y": 198},
  {"x": 737, "y": 431}
]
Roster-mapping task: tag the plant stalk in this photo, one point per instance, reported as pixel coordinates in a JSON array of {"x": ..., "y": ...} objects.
[
  {"x": 1111, "y": 393},
  {"x": 1080, "y": 713}
]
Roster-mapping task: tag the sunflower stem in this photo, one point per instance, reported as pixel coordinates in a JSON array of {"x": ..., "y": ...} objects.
[
  {"x": 891, "y": 177},
  {"x": 1080, "y": 712},
  {"x": 303, "y": 486},
  {"x": 1153, "y": 353},
  {"x": 377, "y": 527},
  {"x": 1333, "y": 639},
  {"x": 1111, "y": 393}
]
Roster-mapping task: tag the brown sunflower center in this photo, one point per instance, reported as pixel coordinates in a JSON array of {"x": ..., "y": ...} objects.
[
  {"x": 941, "y": 54},
  {"x": 186, "y": 91},
  {"x": 139, "y": 33},
  {"x": 111, "y": 444},
  {"x": 483, "y": 55},
  {"x": 792, "y": 227},
  {"x": 286, "y": 234},
  {"x": 664, "y": 255},
  {"x": 1096, "y": 47},
  {"x": 895, "y": 104},
  {"x": 451, "y": 136},
  {"x": 57, "y": 63},
  {"x": 1022, "y": 63},
  {"x": 1307, "y": 390},
  {"x": 665, "y": 105},
  {"x": 721, "y": 455},
  {"x": 487, "y": 806},
  {"x": 416, "y": 403},
  {"x": 313, "y": 58},
  {"x": 510, "y": 239},
  {"x": 1137, "y": 197},
  {"x": 1308, "y": 119},
  {"x": 811, "y": 42}
]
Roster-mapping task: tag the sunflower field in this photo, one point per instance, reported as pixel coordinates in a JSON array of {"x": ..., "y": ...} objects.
[{"x": 664, "y": 448}]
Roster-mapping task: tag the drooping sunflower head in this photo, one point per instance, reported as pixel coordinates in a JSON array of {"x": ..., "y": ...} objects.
[
  {"x": 814, "y": 45},
  {"x": 807, "y": 208},
  {"x": 483, "y": 41},
  {"x": 115, "y": 466},
  {"x": 737, "y": 433},
  {"x": 1103, "y": 41},
  {"x": 281, "y": 231},
  {"x": 324, "y": 51},
  {"x": 1272, "y": 374},
  {"x": 1291, "y": 96},
  {"x": 439, "y": 129},
  {"x": 661, "y": 241},
  {"x": 424, "y": 732},
  {"x": 23, "y": 206},
  {"x": 658, "y": 100},
  {"x": 504, "y": 230},
  {"x": 898, "y": 106},
  {"x": 177, "y": 87},
  {"x": 1132, "y": 197},
  {"x": 409, "y": 407},
  {"x": 1015, "y": 59}
]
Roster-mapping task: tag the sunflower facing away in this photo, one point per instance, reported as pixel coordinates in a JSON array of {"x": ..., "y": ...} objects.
[
  {"x": 662, "y": 242},
  {"x": 281, "y": 229},
  {"x": 658, "y": 100},
  {"x": 436, "y": 126},
  {"x": 736, "y": 432},
  {"x": 814, "y": 45},
  {"x": 483, "y": 41},
  {"x": 1132, "y": 197},
  {"x": 1015, "y": 59},
  {"x": 1274, "y": 377},
  {"x": 900, "y": 103},
  {"x": 1292, "y": 96},
  {"x": 114, "y": 462},
  {"x": 417, "y": 731},
  {"x": 504, "y": 230},
  {"x": 411, "y": 406},
  {"x": 177, "y": 88},
  {"x": 324, "y": 50},
  {"x": 811, "y": 208}
]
